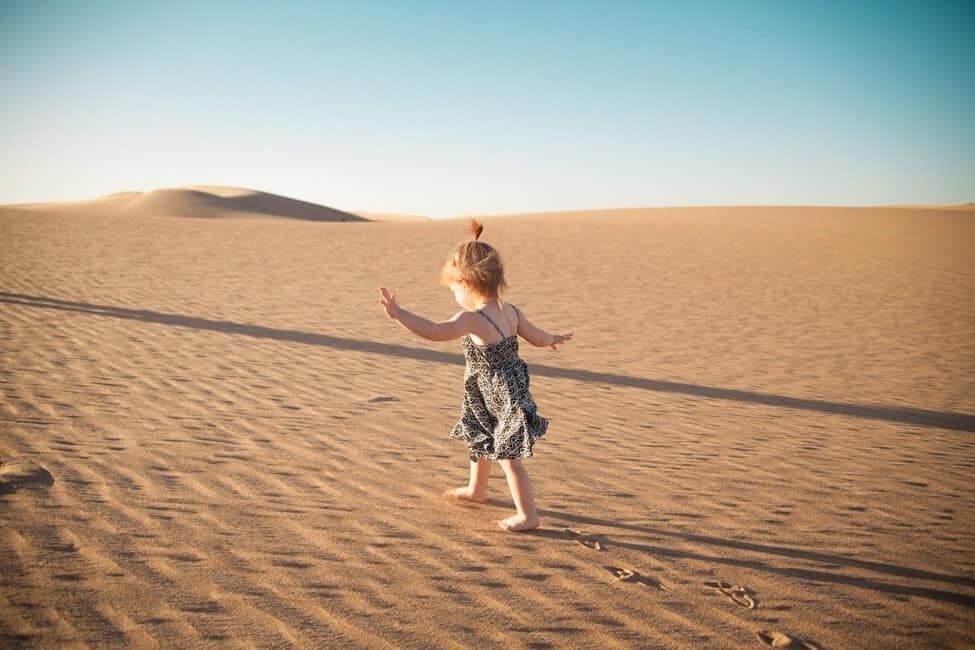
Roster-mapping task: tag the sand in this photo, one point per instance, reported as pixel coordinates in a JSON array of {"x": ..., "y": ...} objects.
[{"x": 762, "y": 433}]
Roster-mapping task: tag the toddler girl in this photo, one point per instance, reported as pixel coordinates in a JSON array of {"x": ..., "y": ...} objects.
[{"x": 498, "y": 419}]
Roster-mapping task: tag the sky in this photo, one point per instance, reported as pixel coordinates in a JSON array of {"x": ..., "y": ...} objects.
[{"x": 454, "y": 108}]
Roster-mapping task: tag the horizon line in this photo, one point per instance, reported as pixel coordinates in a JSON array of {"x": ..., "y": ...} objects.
[{"x": 469, "y": 214}]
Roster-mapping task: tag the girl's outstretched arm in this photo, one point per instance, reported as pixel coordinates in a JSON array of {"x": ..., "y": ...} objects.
[
  {"x": 536, "y": 335},
  {"x": 446, "y": 330}
]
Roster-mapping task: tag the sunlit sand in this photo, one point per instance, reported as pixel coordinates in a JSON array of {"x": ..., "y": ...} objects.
[{"x": 761, "y": 433}]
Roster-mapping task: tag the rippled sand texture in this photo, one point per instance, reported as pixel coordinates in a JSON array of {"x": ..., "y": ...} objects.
[{"x": 761, "y": 434}]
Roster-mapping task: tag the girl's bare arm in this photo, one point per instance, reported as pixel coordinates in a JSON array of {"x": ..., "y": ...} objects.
[
  {"x": 446, "y": 330},
  {"x": 536, "y": 335}
]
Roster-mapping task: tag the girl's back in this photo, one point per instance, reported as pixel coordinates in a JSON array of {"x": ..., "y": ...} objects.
[{"x": 504, "y": 317}]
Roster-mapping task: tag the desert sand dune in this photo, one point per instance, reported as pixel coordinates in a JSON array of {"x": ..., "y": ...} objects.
[
  {"x": 198, "y": 201},
  {"x": 762, "y": 432}
]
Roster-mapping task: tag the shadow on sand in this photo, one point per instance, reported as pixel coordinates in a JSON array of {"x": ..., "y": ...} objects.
[
  {"x": 904, "y": 415},
  {"x": 811, "y": 575}
]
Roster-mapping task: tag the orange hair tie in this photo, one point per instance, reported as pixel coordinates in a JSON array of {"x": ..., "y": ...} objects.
[{"x": 476, "y": 228}]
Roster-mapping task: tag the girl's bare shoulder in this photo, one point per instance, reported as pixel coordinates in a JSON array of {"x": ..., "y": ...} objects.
[
  {"x": 512, "y": 311},
  {"x": 512, "y": 314},
  {"x": 464, "y": 315}
]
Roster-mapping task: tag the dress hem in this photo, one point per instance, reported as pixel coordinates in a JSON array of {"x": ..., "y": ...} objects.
[{"x": 476, "y": 457}]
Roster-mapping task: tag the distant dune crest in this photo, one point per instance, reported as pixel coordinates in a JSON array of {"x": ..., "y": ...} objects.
[{"x": 204, "y": 202}]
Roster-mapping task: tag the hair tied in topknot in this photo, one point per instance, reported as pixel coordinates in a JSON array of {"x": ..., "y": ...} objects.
[{"x": 476, "y": 228}]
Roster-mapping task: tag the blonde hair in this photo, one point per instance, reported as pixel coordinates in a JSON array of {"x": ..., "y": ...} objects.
[{"x": 476, "y": 265}]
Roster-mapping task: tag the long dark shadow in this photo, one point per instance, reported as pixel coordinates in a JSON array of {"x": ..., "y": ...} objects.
[
  {"x": 810, "y": 575},
  {"x": 904, "y": 415},
  {"x": 767, "y": 549}
]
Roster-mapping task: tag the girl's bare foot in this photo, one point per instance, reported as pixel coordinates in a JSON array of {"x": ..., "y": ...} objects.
[
  {"x": 464, "y": 494},
  {"x": 519, "y": 524}
]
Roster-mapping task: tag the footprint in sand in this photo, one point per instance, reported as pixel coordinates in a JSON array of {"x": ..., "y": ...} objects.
[
  {"x": 17, "y": 475},
  {"x": 589, "y": 541},
  {"x": 629, "y": 575},
  {"x": 736, "y": 593},
  {"x": 779, "y": 640}
]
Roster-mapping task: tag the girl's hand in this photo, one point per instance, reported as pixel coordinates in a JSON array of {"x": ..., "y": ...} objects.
[
  {"x": 558, "y": 339},
  {"x": 388, "y": 301}
]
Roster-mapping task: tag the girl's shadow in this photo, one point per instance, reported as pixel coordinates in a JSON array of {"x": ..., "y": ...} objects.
[{"x": 551, "y": 529}]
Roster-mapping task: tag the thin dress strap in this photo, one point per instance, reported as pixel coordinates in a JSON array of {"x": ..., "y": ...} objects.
[{"x": 492, "y": 322}]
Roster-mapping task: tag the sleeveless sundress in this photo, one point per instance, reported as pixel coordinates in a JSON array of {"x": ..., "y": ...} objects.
[{"x": 499, "y": 419}]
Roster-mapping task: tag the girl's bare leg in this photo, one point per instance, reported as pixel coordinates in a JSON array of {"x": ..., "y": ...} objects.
[
  {"x": 523, "y": 495},
  {"x": 476, "y": 489}
]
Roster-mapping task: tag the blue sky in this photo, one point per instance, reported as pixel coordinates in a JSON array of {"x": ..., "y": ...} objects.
[{"x": 450, "y": 108}]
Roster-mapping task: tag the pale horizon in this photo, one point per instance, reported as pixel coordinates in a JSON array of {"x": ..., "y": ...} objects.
[
  {"x": 565, "y": 210},
  {"x": 444, "y": 111}
]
